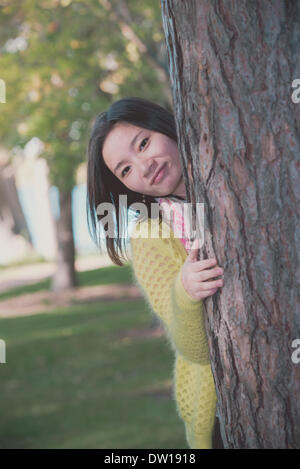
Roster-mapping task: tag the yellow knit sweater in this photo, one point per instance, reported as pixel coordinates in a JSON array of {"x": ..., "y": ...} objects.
[{"x": 157, "y": 266}]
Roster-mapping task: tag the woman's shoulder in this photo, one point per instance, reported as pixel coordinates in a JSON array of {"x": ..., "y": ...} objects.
[
  {"x": 156, "y": 237},
  {"x": 151, "y": 228},
  {"x": 142, "y": 228}
]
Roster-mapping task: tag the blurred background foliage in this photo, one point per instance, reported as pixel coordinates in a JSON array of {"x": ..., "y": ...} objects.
[{"x": 64, "y": 61}]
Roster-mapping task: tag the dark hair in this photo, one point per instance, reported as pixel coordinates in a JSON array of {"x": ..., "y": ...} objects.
[{"x": 102, "y": 184}]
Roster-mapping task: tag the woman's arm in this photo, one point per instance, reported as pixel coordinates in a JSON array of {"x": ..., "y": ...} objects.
[{"x": 157, "y": 266}]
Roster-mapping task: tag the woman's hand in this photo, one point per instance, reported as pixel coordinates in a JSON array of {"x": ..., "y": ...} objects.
[{"x": 195, "y": 275}]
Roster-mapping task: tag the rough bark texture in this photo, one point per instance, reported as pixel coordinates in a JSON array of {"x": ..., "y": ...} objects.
[
  {"x": 65, "y": 275},
  {"x": 232, "y": 64}
]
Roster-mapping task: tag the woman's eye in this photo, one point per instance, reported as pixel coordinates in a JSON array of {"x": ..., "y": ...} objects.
[
  {"x": 144, "y": 140},
  {"x": 122, "y": 173},
  {"x": 142, "y": 145}
]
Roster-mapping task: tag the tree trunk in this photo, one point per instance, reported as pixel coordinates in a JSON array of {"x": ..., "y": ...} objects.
[
  {"x": 10, "y": 207},
  {"x": 65, "y": 275},
  {"x": 232, "y": 64}
]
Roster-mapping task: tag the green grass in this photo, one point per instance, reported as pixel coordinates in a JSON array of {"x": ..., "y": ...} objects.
[
  {"x": 69, "y": 382},
  {"x": 103, "y": 276}
]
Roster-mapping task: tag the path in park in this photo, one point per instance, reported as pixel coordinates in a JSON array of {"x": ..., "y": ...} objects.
[
  {"x": 42, "y": 301},
  {"x": 12, "y": 277}
]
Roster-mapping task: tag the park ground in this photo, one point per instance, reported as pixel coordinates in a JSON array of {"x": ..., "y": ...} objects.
[{"x": 86, "y": 368}]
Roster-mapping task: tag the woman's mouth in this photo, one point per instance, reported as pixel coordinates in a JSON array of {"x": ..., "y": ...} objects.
[{"x": 160, "y": 175}]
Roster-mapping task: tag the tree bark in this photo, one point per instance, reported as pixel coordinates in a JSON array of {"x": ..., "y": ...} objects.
[
  {"x": 11, "y": 212},
  {"x": 232, "y": 64},
  {"x": 65, "y": 275}
]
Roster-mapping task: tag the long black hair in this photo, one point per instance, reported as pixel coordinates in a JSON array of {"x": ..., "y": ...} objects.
[{"x": 102, "y": 184}]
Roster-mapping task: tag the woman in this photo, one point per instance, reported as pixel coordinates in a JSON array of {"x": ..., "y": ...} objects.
[{"x": 133, "y": 150}]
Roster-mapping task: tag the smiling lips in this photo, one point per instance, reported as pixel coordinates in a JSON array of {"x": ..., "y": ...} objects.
[{"x": 159, "y": 175}]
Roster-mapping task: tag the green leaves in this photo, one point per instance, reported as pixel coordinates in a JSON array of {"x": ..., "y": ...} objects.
[{"x": 65, "y": 61}]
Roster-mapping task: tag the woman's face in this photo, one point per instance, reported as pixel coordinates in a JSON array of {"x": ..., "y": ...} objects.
[{"x": 135, "y": 155}]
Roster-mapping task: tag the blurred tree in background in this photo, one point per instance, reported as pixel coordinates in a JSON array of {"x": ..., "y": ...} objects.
[{"x": 63, "y": 62}]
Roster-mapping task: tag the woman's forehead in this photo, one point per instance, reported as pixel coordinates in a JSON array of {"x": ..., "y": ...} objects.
[
  {"x": 123, "y": 127},
  {"x": 120, "y": 138},
  {"x": 122, "y": 130}
]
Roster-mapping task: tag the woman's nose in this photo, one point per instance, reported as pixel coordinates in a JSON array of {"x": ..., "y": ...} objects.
[{"x": 146, "y": 167}]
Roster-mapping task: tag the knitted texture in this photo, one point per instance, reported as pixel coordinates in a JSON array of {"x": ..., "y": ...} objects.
[{"x": 157, "y": 263}]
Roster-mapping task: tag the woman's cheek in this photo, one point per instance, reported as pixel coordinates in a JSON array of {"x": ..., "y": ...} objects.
[{"x": 130, "y": 183}]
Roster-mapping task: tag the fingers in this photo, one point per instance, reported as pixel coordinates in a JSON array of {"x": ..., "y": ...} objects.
[
  {"x": 208, "y": 288},
  {"x": 210, "y": 292},
  {"x": 205, "y": 294},
  {"x": 193, "y": 256},
  {"x": 198, "y": 266},
  {"x": 210, "y": 273},
  {"x": 204, "y": 286},
  {"x": 195, "y": 274}
]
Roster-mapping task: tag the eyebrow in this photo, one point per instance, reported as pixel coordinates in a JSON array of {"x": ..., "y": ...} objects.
[{"x": 131, "y": 145}]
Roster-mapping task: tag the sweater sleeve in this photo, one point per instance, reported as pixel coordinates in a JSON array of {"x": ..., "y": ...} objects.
[{"x": 157, "y": 270}]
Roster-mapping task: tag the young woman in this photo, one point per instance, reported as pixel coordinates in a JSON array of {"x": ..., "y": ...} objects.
[{"x": 133, "y": 151}]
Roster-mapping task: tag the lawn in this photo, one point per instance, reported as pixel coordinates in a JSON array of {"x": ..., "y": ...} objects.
[
  {"x": 71, "y": 381},
  {"x": 102, "y": 276}
]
